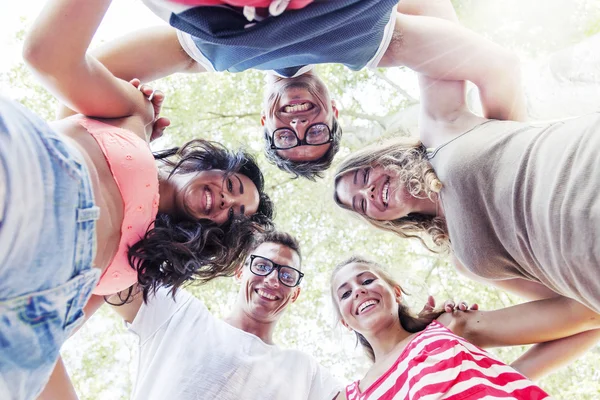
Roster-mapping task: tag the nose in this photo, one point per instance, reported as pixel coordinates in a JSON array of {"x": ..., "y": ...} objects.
[
  {"x": 369, "y": 191},
  {"x": 297, "y": 123},
  {"x": 272, "y": 280},
  {"x": 227, "y": 201},
  {"x": 359, "y": 291}
]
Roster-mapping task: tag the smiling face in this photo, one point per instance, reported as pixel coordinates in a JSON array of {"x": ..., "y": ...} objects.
[
  {"x": 365, "y": 301},
  {"x": 297, "y": 103},
  {"x": 264, "y": 298},
  {"x": 378, "y": 194},
  {"x": 209, "y": 195}
]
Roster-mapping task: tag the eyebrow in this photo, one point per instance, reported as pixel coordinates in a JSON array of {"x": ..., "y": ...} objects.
[
  {"x": 243, "y": 209},
  {"x": 353, "y": 204},
  {"x": 355, "y": 176},
  {"x": 346, "y": 284},
  {"x": 241, "y": 185}
]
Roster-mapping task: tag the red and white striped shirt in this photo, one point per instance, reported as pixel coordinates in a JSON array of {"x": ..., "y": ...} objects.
[{"x": 437, "y": 364}]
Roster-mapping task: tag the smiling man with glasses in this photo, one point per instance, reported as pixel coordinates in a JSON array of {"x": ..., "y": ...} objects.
[
  {"x": 186, "y": 353},
  {"x": 356, "y": 33}
]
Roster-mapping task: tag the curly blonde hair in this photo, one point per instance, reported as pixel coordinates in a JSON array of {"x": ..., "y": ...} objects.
[{"x": 406, "y": 157}]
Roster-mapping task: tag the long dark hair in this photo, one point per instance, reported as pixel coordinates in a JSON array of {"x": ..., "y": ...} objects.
[
  {"x": 174, "y": 251},
  {"x": 408, "y": 320}
]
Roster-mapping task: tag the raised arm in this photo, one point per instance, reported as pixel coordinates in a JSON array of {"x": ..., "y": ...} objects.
[
  {"x": 428, "y": 40},
  {"x": 55, "y": 49}
]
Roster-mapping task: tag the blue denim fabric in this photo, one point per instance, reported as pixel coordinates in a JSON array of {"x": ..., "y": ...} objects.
[{"x": 47, "y": 247}]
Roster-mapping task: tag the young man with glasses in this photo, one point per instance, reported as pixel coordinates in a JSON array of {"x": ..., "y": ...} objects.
[
  {"x": 186, "y": 353},
  {"x": 356, "y": 33}
]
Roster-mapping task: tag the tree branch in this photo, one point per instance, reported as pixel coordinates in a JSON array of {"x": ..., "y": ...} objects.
[{"x": 393, "y": 84}]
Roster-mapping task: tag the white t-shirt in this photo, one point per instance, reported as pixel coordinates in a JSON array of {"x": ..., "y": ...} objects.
[{"x": 187, "y": 354}]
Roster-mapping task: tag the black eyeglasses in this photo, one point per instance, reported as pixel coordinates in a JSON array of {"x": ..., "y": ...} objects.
[
  {"x": 262, "y": 266},
  {"x": 315, "y": 135}
]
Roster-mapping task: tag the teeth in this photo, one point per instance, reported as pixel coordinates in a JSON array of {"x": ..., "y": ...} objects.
[
  {"x": 297, "y": 107},
  {"x": 208, "y": 200},
  {"x": 267, "y": 295},
  {"x": 385, "y": 193},
  {"x": 366, "y": 304}
]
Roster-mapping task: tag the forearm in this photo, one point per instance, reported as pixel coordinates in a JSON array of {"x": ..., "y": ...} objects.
[
  {"x": 59, "y": 386},
  {"x": 147, "y": 54},
  {"x": 533, "y": 322},
  {"x": 544, "y": 358}
]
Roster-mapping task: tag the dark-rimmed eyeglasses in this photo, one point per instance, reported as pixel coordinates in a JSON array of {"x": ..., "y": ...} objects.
[
  {"x": 315, "y": 135},
  {"x": 262, "y": 266}
]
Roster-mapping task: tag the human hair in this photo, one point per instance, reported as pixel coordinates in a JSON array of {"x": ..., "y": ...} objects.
[
  {"x": 310, "y": 170},
  {"x": 277, "y": 237},
  {"x": 175, "y": 251},
  {"x": 408, "y": 320},
  {"x": 407, "y": 158}
]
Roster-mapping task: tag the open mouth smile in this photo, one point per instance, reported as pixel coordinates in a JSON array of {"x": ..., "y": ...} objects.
[
  {"x": 385, "y": 192},
  {"x": 208, "y": 200},
  {"x": 266, "y": 295},
  {"x": 297, "y": 107},
  {"x": 365, "y": 306}
]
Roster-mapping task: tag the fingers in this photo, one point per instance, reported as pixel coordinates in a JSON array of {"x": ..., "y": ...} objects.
[
  {"x": 135, "y": 82},
  {"x": 159, "y": 128},
  {"x": 450, "y": 306}
]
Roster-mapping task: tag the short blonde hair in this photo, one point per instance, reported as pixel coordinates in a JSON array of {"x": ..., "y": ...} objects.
[{"x": 407, "y": 157}]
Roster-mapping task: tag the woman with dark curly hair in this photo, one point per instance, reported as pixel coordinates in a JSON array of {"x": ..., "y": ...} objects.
[
  {"x": 185, "y": 245},
  {"x": 86, "y": 207}
]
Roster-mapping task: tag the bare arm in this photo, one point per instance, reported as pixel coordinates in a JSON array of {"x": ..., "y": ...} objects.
[
  {"x": 59, "y": 386},
  {"x": 129, "y": 310},
  {"x": 544, "y": 358},
  {"x": 428, "y": 40},
  {"x": 55, "y": 49},
  {"x": 147, "y": 54},
  {"x": 533, "y": 322},
  {"x": 551, "y": 314}
]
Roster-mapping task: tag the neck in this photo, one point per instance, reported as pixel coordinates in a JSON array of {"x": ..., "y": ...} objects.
[
  {"x": 241, "y": 320},
  {"x": 166, "y": 191},
  {"x": 386, "y": 341}
]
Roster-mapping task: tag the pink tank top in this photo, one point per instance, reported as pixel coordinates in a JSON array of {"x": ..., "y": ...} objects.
[
  {"x": 277, "y": 4},
  {"x": 134, "y": 170}
]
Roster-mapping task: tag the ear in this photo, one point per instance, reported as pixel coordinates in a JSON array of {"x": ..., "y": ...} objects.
[
  {"x": 346, "y": 325},
  {"x": 334, "y": 108},
  {"x": 263, "y": 118},
  {"x": 398, "y": 294},
  {"x": 296, "y": 293},
  {"x": 239, "y": 272}
]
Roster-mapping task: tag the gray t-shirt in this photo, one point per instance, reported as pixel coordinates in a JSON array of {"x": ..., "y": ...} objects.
[
  {"x": 523, "y": 201},
  {"x": 188, "y": 354}
]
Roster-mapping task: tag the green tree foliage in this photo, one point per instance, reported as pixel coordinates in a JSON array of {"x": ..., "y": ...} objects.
[{"x": 226, "y": 108}]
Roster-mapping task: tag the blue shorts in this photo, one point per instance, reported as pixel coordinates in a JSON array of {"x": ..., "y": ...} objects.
[{"x": 47, "y": 247}]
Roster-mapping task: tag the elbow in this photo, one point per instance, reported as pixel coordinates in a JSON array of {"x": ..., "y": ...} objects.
[
  {"x": 36, "y": 54},
  {"x": 31, "y": 53}
]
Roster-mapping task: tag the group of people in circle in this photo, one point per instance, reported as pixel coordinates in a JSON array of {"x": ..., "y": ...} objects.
[{"x": 90, "y": 215}]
